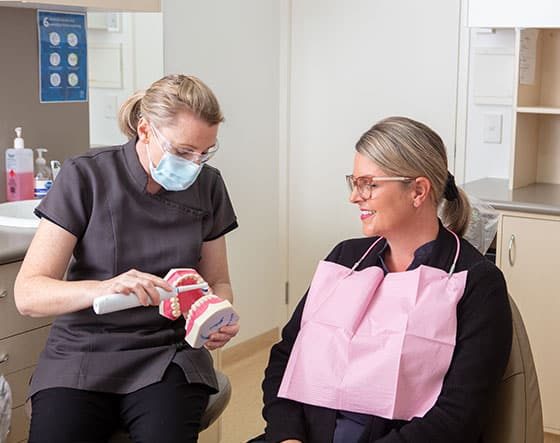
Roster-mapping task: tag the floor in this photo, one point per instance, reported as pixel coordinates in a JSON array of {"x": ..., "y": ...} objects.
[{"x": 242, "y": 419}]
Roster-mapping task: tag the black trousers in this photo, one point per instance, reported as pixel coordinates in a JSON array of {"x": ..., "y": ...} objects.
[{"x": 165, "y": 412}]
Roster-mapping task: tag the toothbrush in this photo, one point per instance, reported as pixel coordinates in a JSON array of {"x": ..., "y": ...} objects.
[{"x": 105, "y": 304}]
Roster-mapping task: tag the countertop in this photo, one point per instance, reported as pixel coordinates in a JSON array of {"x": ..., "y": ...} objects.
[
  {"x": 538, "y": 198},
  {"x": 14, "y": 243}
]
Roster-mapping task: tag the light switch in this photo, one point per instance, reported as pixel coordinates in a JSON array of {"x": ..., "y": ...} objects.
[
  {"x": 110, "y": 106},
  {"x": 492, "y": 129}
]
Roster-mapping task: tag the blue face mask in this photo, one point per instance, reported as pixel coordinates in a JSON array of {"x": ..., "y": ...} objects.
[{"x": 174, "y": 173}]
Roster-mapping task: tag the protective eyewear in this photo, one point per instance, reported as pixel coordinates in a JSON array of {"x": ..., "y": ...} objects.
[
  {"x": 186, "y": 153},
  {"x": 366, "y": 183}
]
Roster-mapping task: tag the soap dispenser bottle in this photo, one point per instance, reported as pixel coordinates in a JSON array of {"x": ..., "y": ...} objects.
[
  {"x": 19, "y": 170},
  {"x": 43, "y": 178}
]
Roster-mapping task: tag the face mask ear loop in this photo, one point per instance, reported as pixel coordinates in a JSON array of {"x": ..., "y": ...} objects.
[{"x": 152, "y": 165}]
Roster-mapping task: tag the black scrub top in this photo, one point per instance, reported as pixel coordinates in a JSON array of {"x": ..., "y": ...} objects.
[{"x": 100, "y": 198}]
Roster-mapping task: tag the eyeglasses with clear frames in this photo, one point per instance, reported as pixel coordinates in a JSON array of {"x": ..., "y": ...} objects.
[
  {"x": 186, "y": 153},
  {"x": 366, "y": 183}
]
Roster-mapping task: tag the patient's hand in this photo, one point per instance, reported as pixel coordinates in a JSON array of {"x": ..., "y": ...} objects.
[{"x": 220, "y": 338}]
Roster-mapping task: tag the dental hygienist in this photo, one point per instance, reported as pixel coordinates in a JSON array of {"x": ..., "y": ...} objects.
[{"x": 119, "y": 219}]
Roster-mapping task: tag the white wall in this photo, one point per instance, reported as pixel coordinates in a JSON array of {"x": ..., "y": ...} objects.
[
  {"x": 350, "y": 64},
  {"x": 139, "y": 38},
  {"x": 234, "y": 47},
  {"x": 354, "y": 63}
]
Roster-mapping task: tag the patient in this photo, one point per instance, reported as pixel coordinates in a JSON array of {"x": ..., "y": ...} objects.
[{"x": 404, "y": 334}]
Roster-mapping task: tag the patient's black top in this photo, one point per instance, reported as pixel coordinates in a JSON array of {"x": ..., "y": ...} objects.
[{"x": 101, "y": 198}]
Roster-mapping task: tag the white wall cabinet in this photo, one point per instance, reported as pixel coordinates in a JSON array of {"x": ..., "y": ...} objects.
[
  {"x": 530, "y": 266},
  {"x": 528, "y": 106},
  {"x": 513, "y": 13},
  {"x": 21, "y": 341},
  {"x": 105, "y": 5}
]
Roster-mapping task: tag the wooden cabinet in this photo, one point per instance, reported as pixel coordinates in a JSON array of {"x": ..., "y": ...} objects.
[
  {"x": 527, "y": 255},
  {"x": 105, "y": 5},
  {"x": 21, "y": 341},
  {"x": 536, "y": 154}
]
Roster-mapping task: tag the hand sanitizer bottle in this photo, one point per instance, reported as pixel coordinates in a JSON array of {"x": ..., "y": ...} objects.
[
  {"x": 19, "y": 170},
  {"x": 43, "y": 179}
]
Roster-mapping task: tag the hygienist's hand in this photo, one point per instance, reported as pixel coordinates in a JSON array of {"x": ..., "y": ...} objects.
[
  {"x": 292, "y": 441},
  {"x": 220, "y": 338},
  {"x": 134, "y": 282}
]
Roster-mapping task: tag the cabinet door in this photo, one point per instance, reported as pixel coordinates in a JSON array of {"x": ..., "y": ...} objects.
[
  {"x": 11, "y": 321},
  {"x": 513, "y": 13},
  {"x": 529, "y": 260},
  {"x": 19, "y": 426}
]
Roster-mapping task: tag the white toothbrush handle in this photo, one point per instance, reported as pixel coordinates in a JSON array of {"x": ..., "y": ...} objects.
[{"x": 105, "y": 304}]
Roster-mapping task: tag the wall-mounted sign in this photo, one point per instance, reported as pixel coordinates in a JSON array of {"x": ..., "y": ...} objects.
[{"x": 62, "y": 56}]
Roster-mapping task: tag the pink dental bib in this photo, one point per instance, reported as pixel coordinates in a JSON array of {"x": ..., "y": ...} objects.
[{"x": 375, "y": 344}]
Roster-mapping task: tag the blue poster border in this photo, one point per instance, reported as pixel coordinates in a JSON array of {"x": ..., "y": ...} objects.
[{"x": 63, "y": 73}]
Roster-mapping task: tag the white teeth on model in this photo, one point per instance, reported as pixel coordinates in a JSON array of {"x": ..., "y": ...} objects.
[{"x": 364, "y": 212}]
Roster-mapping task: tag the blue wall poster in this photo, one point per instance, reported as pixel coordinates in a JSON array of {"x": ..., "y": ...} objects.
[{"x": 62, "y": 56}]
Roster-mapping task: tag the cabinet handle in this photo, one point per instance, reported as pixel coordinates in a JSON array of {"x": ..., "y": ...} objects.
[
  {"x": 511, "y": 246},
  {"x": 4, "y": 358},
  {"x": 3, "y": 293}
]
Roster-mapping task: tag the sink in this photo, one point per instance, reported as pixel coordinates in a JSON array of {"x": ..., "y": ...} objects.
[{"x": 19, "y": 214}]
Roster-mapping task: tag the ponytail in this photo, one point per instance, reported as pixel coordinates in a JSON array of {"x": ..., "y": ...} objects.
[
  {"x": 456, "y": 213},
  {"x": 129, "y": 114}
]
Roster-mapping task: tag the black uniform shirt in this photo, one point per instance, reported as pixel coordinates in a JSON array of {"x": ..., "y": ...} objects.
[{"x": 100, "y": 198}]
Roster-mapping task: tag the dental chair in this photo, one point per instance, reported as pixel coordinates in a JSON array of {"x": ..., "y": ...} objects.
[{"x": 516, "y": 414}]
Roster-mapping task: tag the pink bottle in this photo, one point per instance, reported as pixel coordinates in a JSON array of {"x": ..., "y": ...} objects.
[{"x": 19, "y": 170}]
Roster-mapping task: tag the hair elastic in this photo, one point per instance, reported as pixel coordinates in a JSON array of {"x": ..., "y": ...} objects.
[{"x": 451, "y": 192}]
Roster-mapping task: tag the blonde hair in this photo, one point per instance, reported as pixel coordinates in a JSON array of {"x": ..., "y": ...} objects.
[
  {"x": 401, "y": 146},
  {"x": 167, "y": 97}
]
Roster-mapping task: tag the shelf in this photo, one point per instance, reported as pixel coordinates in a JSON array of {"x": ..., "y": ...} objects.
[
  {"x": 538, "y": 110},
  {"x": 90, "y": 5}
]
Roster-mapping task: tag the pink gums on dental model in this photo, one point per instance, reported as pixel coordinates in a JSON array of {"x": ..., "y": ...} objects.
[
  {"x": 204, "y": 313},
  {"x": 176, "y": 306}
]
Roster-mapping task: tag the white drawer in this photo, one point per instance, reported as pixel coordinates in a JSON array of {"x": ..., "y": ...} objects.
[
  {"x": 19, "y": 427},
  {"x": 11, "y": 321},
  {"x": 22, "y": 351},
  {"x": 19, "y": 385}
]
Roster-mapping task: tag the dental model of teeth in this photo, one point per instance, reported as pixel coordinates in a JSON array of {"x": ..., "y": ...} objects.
[
  {"x": 204, "y": 313},
  {"x": 207, "y": 315},
  {"x": 180, "y": 304}
]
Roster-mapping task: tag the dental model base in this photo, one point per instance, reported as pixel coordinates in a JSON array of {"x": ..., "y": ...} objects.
[
  {"x": 204, "y": 313},
  {"x": 206, "y": 316}
]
